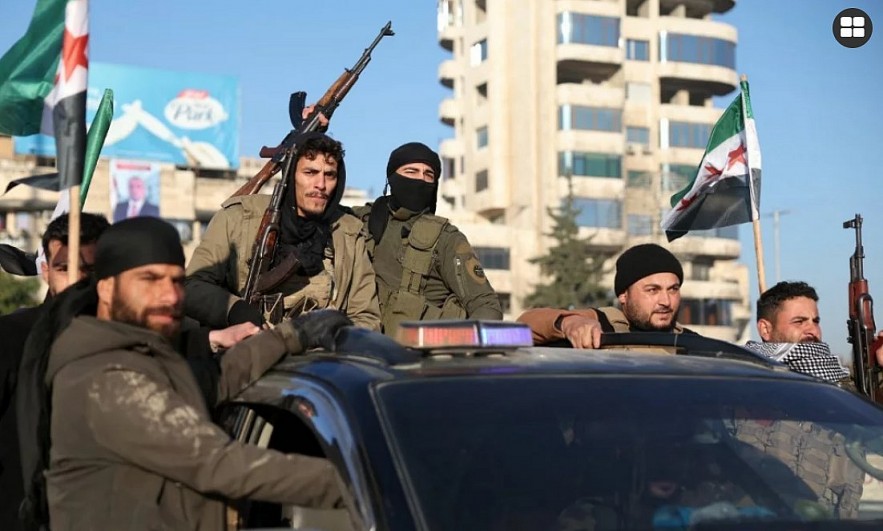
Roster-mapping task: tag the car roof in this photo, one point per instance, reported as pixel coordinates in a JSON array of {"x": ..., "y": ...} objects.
[{"x": 372, "y": 356}]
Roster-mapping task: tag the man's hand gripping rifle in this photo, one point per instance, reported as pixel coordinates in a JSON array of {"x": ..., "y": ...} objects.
[
  {"x": 261, "y": 278},
  {"x": 862, "y": 328}
]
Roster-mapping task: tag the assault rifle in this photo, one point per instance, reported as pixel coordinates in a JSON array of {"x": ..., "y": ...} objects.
[
  {"x": 261, "y": 278},
  {"x": 862, "y": 328}
]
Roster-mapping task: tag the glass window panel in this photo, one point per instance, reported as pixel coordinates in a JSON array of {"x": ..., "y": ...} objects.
[
  {"x": 481, "y": 137},
  {"x": 481, "y": 181},
  {"x": 588, "y": 29},
  {"x": 493, "y": 257},
  {"x": 637, "y": 135},
  {"x": 637, "y": 50},
  {"x": 696, "y": 49},
  {"x": 599, "y": 213}
]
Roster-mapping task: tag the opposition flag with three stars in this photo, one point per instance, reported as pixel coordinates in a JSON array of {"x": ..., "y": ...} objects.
[
  {"x": 43, "y": 83},
  {"x": 726, "y": 188}
]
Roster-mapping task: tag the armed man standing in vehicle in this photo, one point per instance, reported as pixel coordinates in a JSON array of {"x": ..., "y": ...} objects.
[
  {"x": 426, "y": 268},
  {"x": 333, "y": 268},
  {"x": 648, "y": 286},
  {"x": 788, "y": 323},
  {"x": 132, "y": 443}
]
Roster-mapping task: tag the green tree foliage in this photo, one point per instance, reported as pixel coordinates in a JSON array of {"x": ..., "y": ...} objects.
[
  {"x": 574, "y": 268},
  {"x": 17, "y": 293}
]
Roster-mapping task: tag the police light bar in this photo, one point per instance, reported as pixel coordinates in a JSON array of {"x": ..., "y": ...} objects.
[{"x": 464, "y": 334}]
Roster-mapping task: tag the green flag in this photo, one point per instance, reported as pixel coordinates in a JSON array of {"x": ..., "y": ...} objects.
[
  {"x": 27, "y": 71},
  {"x": 95, "y": 140}
]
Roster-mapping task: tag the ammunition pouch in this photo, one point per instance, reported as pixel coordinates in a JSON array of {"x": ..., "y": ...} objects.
[{"x": 408, "y": 302}]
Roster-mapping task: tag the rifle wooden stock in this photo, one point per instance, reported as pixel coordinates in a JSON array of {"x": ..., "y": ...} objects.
[{"x": 254, "y": 185}]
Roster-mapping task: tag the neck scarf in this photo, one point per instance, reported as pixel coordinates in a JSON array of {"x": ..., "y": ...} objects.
[{"x": 814, "y": 359}]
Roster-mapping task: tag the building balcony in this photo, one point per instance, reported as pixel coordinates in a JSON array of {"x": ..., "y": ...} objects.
[
  {"x": 591, "y": 141},
  {"x": 578, "y": 62},
  {"x": 700, "y": 247},
  {"x": 710, "y": 79},
  {"x": 711, "y": 289},
  {"x": 449, "y": 29},
  {"x": 605, "y": 240},
  {"x": 448, "y": 72},
  {"x": 449, "y": 111},
  {"x": 694, "y": 8},
  {"x": 690, "y": 113},
  {"x": 591, "y": 95}
]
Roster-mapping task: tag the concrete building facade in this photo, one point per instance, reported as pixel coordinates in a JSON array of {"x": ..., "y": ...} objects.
[{"x": 616, "y": 94}]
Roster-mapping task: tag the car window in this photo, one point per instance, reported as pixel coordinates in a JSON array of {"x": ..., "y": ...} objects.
[
  {"x": 608, "y": 452},
  {"x": 277, "y": 429}
]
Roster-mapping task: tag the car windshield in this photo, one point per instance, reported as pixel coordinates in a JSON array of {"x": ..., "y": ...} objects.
[{"x": 589, "y": 452}]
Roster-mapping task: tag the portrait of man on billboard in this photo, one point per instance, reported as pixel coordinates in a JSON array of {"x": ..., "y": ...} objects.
[{"x": 136, "y": 186}]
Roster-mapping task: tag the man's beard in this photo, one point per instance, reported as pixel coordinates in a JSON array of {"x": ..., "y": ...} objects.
[
  {"x": 643, "y": 322},
  {"x": 122, "y": 312}
]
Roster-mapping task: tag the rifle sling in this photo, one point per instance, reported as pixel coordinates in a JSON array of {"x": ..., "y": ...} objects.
[{"x": 277, "y": 275}]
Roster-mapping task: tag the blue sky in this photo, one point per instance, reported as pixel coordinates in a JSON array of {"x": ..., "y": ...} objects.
[{"x": 816, "y": 103}]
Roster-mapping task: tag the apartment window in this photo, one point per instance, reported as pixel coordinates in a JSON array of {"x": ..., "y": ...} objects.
[
  {"x": 449, "y": 168},
  {"x": 184, "y": 228},
  {"x": 481, "y": 94},
  {"x": 706, "y": 312},
  {"x": 677, "y": 176},
  {"x": 729, "y": 233},
  {"x": 481, "y": 181},
  {"x": 637, "y": 50},
  {"x": 450, "y": 13},
  {"x": 582, "y": 164},
  {"x": 481, "y": 137},
  {"x": 694, "y": 49},
  {"x": 598, "y": 213},
  {"x": 589, "y": 118},
  {"x": 493, "y": 257},
  {"x": 639, "y": 224},
  {"x": 688, "y": 135},
  {"x": 638, "y": 92},
  {"x": 700, "y": 271},
  {"x": 576, "y": 28},
  {"x": 639, "y": 136},
  {"x": 638, "y": 179},
  {"x": 478, "y": 53}
]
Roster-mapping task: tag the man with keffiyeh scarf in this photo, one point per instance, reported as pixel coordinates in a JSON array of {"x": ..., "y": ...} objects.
[
  {"x": 334, "y": 270},
  {"x": 788, "y": 322}
]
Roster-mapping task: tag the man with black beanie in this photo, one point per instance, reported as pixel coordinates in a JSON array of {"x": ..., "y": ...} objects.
[
  {"x": 334, "y": 270},
  {"x": 132, "y": 443},
  {"x": 648, "y": 286},
  {"x": 426, "y": 268}
]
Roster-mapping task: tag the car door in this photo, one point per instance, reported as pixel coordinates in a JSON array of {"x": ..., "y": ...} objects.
[{"x": 296, "y": 414}]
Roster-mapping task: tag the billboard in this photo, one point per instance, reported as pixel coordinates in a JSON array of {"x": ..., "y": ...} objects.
[{"x": 182, "y": 118}]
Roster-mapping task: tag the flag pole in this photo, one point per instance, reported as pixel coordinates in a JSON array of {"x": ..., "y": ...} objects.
[
  {"x": 755, "y": 215},
  {"x": 758, "y": 253},
  {"x": 73, "y": 236}
]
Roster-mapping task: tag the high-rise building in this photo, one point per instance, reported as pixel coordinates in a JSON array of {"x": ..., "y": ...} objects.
[{"x": 615, "y": 94}]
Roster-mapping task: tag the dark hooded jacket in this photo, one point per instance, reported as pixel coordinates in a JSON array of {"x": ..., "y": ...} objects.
[
  {"x": 218, "y": 269},
  {"x": 133, "y": 446}
]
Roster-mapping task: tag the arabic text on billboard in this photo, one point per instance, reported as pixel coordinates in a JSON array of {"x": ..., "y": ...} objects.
[{"x": 175, "y": 117}]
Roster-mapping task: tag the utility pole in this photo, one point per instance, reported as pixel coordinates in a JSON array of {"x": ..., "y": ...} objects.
[{"x": 776, "y": 215}]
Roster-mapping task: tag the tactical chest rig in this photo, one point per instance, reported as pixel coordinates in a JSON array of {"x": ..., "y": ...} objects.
[{"x": 408, "y": 302}]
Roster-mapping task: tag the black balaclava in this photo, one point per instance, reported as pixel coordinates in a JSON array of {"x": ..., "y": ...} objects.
[
  {"x": 308, "y": 237},
  {"x": 415, "y": 195}
]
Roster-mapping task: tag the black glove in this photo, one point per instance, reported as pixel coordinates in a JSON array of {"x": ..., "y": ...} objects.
[
  {"x": 318, "y": 328},
  {"x": 243, "y": 312}
]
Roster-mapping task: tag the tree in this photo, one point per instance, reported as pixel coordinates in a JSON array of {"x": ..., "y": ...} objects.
[
  {"x": 575, "y": 269},
  {"x": 15, "y": 293}
]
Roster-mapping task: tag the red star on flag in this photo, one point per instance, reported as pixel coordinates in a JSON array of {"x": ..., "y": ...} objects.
[
  {"x": 74, "y": 53},
  {"x": 737, "y": 155}
]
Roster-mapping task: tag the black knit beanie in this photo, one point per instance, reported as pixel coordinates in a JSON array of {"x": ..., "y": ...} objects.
[
  {"x": 642, "y": 261},
  {"x": 136, "y": 242}
]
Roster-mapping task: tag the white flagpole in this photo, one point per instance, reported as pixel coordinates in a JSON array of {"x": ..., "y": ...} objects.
[{"x": 755, "y": 216}]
